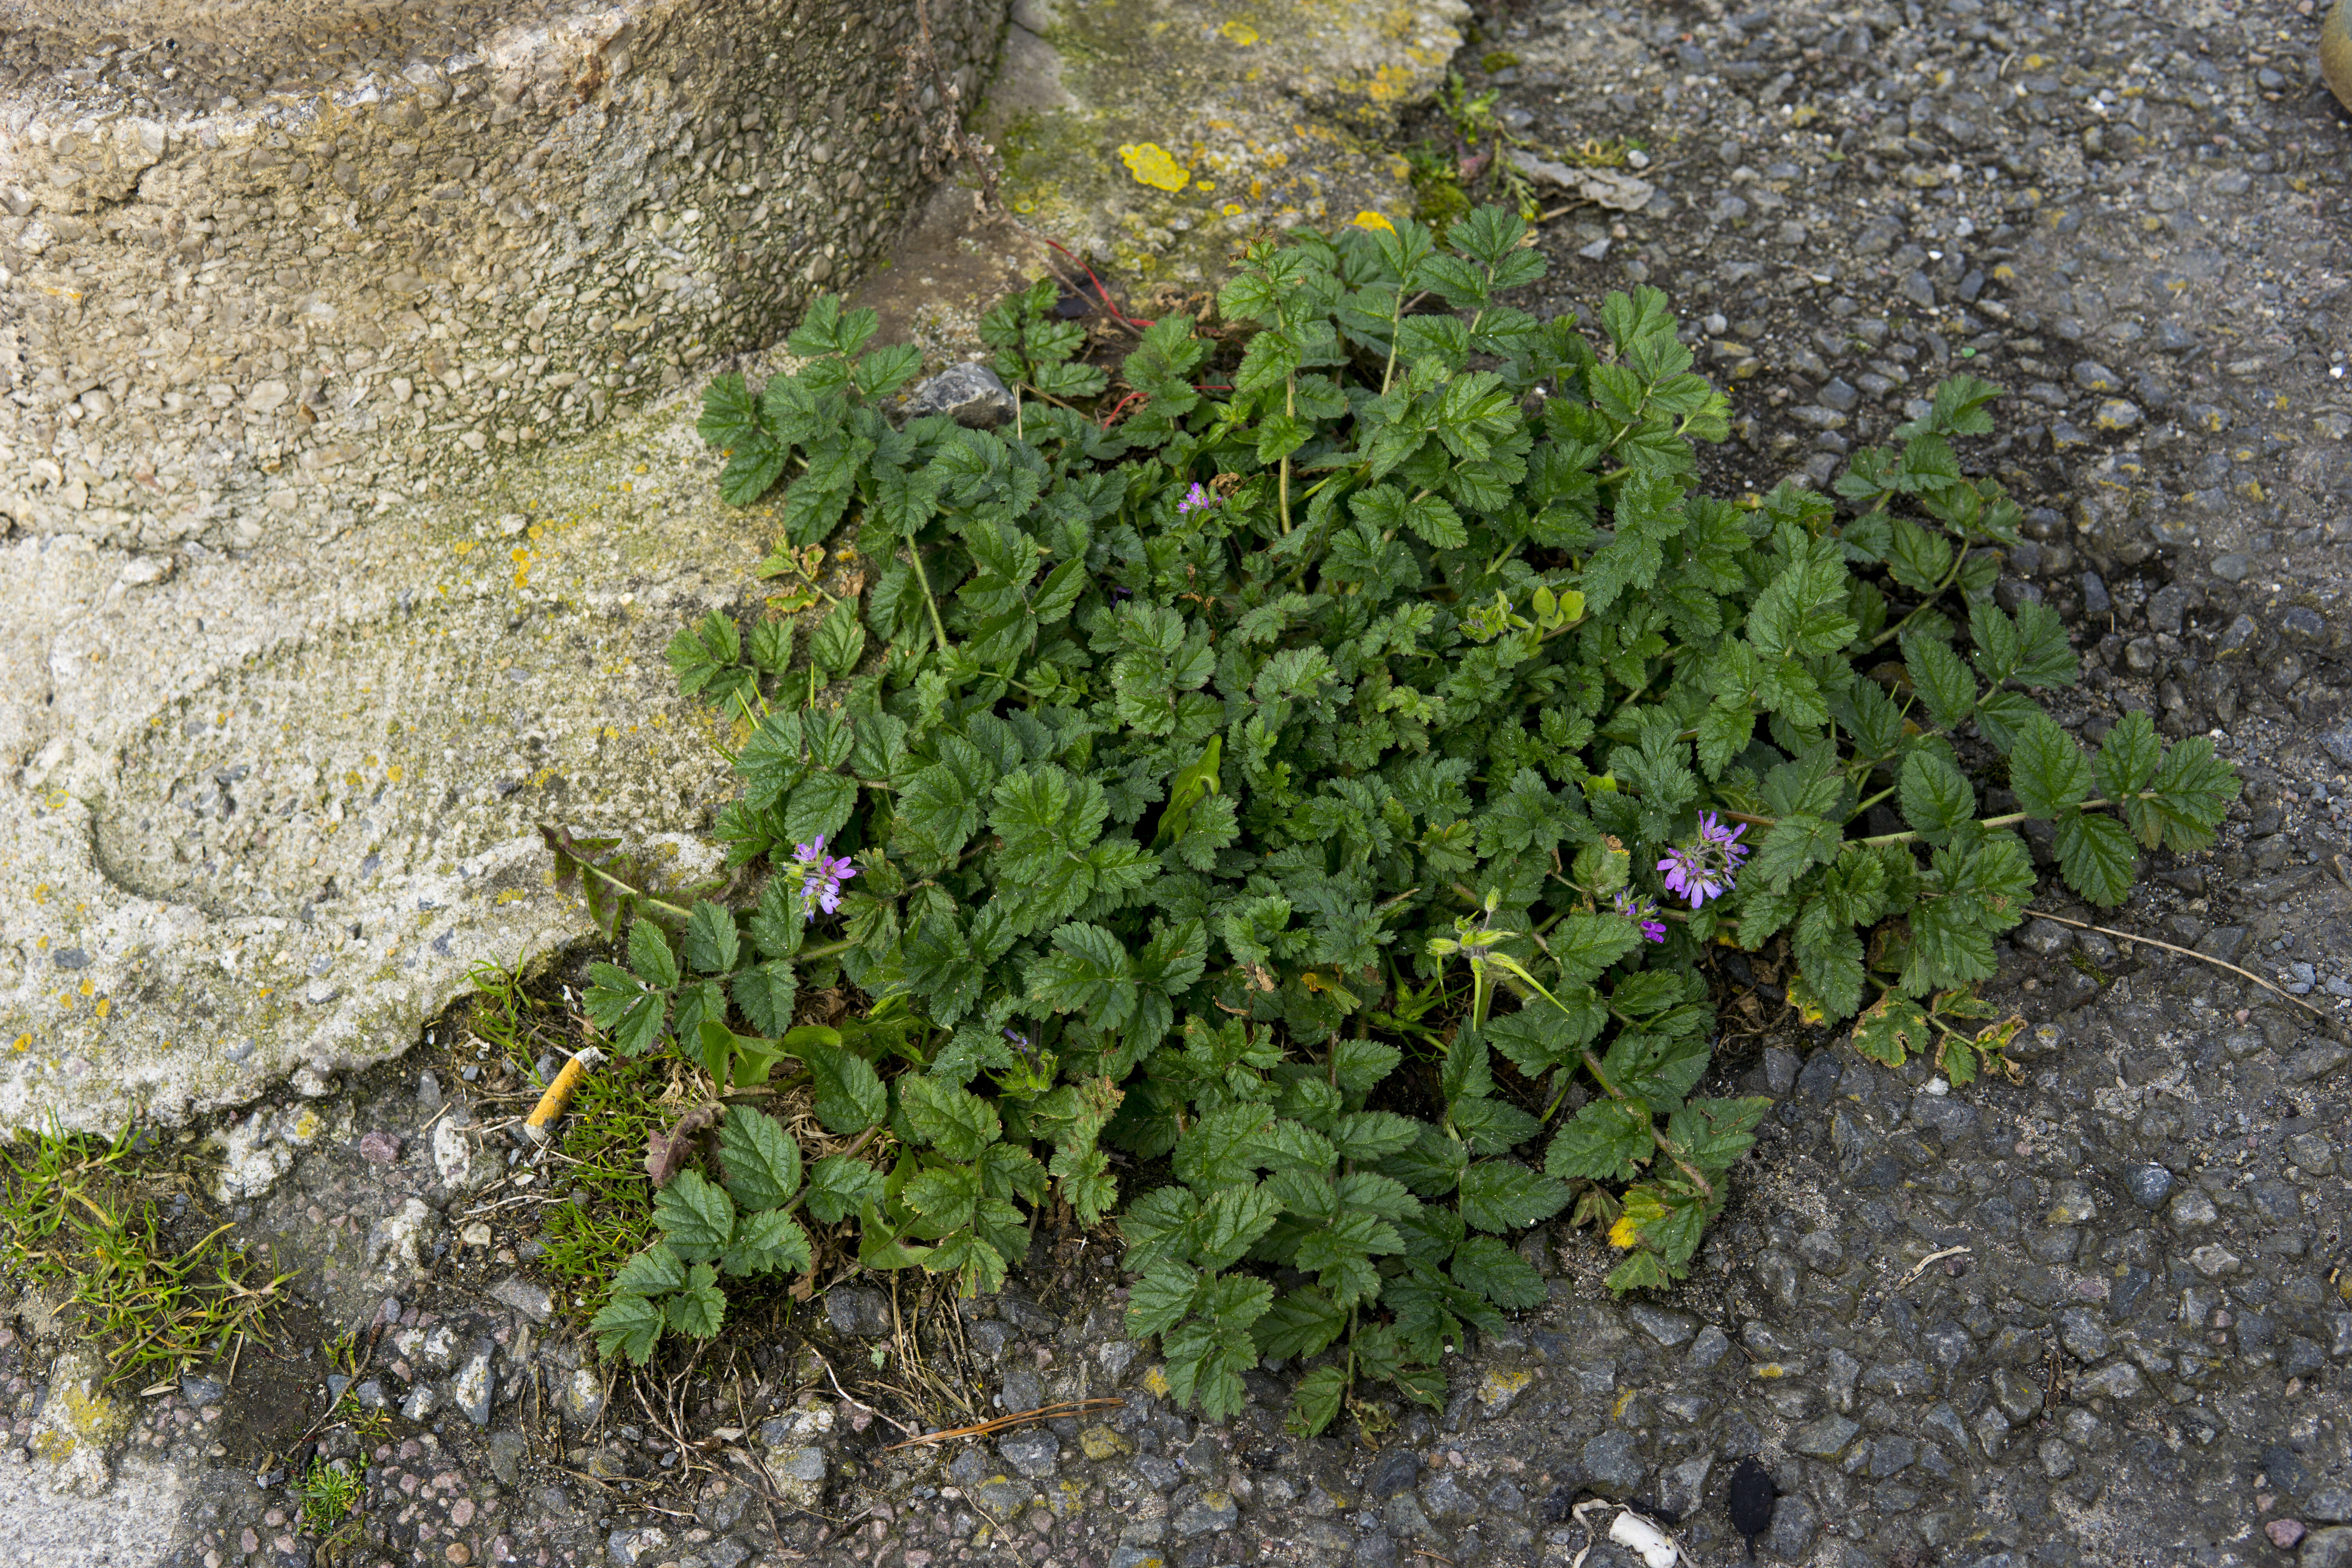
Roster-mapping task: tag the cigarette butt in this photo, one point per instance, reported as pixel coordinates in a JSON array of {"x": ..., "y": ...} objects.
[{"x": 559, "y": 1093}]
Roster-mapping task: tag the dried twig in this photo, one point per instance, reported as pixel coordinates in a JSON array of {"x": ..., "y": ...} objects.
[
  {"x": 2317, "y": 1013},
  {"x": 945, "y": 136},
  {"x": 983, "y": 1429},
  {"x": 1921, "y": 1267}
]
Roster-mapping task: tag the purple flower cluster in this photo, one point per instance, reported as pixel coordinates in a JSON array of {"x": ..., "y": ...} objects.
[
  {"x": 1641, "y": 911},
  {"x": 825, "y": 874},
  {"x": 1195, "y": 500},
  {"x": 1708, "y": 867}
]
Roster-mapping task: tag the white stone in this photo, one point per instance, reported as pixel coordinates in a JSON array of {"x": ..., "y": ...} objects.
[{"x": 398, "y": 1245}]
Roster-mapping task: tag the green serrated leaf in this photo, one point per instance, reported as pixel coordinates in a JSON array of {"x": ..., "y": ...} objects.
[
  {"x": 1497, "y": 1196},
  {"x": 1487, "y": 1266},
  {"x": 1315, "y": 1402},
  {"x": 697, "y": 1309},
  {"x": 696, "y": 1217},
  {"x": 955, "y": 1121},
  {"x": 839, "y": 1186},
  {"x": 628, "y": 1326},
  {"x": 761, "y": 1161},
  {"x": 652, "y": 1272},
  {"x": 1608, "y": 1140}
]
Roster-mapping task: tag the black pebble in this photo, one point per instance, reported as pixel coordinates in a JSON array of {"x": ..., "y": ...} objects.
[{"x": 1752, "y": 1492}]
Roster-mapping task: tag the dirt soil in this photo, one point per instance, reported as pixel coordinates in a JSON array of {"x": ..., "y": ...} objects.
[{"x": 2101, "y": 1316}]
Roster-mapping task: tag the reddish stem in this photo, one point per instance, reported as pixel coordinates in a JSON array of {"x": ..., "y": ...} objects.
[
  {"x": 1102, "y": 291},
  {"x": 1121, "y": 407}
]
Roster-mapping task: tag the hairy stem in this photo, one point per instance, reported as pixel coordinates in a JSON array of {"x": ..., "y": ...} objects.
[
  {"x": 923, "y": 579},
  {"x": 1290, "y": 409},
  {"x": 1959, "y": 559}
]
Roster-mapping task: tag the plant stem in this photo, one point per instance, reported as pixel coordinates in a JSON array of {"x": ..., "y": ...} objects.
[
  {"x": 2011, "y": 820},
  {"x": 1665, "y": 1145},
  {"x": 1861, "y": 807},
  {"x": 861, "y": 1139},
  {"x": 1959, "y": 559},
  {"x": 923, "y": 578},
  {"x": 1396, "y": 322},
  {"x": 1290, "y": 410},
  {"x": 639, "y": 894}
]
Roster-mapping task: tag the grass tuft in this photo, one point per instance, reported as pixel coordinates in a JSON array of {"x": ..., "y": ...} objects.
[{"x": 80, "y": 1209}]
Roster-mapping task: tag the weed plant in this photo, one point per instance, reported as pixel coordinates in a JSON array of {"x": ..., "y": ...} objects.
[
  {"x": 72, "y": 1210},
  {"x": 1325, "y": 760},
  {"x": 330, "y": 1492}
]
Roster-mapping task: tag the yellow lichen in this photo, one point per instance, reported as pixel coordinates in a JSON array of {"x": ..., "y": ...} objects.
[
  {"x": 1240, "y": 33},
  {"x": 1151, "y": 164}
]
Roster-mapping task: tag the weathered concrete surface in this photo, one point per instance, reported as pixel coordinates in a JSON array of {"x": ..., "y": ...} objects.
[
  {"x": 268, "y": 267},
  {"x": 1159, "y": 136},
  {"x": 264, "y": 814}
]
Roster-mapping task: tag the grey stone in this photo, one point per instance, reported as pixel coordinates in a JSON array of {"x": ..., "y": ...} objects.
[
  {"x": 971, "y": 394},
  {"x": 631, "y": 1548},
  {"x": 1034, "y": 1453},
  {"x": 1396, "y": 1470},
  {"x": 1819, "y": 1079},
  {"x": 530, "y": 1299},
  {"x": 2117, "y": 1380},
  {"x": 2084, "y": 1337},
  {"x": 1682, "y": 1488},
  {"x": 1794, "y": 1525},
  {"x": 2149, "y": 1184},
  {"x": 1615, "y": 1462},
  {"x": 2214, "y": 1260},
  {"x": 806, "y": 1465},
  {"x": 2330, "y": 1505},
  {"x": 2330, "y": 1548},
  {"x": 200, "y": 1391},
  {"x": 2311, "y": 1153},
  {"x": 582, "y": 1397},
  {"x": 1708, "y": 1348},
  {"x": 2044, "y": 937},
  {"x": 2309, "y": 1066},
  {"x": 2192, "y": 1209},
  {"x": 1824, "y": 1438},
  {"x": 858, "y": 1310},
  {"x": 1027, "y": 1316},
  {"x": 507, "y": 1451},
  {"x": 473, "y": 1383},
  {"x": 1664, "y": 1324},
  {"x": 1207, "y": 1514},
  {"x": 1445, "y": 1499}
]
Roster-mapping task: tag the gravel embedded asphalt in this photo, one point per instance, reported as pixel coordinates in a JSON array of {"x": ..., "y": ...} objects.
[{"x": 2100, "y": 1316}]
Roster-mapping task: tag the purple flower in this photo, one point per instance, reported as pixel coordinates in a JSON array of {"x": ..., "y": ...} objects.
[
  {"x": 1707, "y": 868},
  {"x": 1641, "y": 911},
  {"x": 826, "y": 873},
  {"x": 1195, "y": 500},
  {"x": 1727, "y": 838}
]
